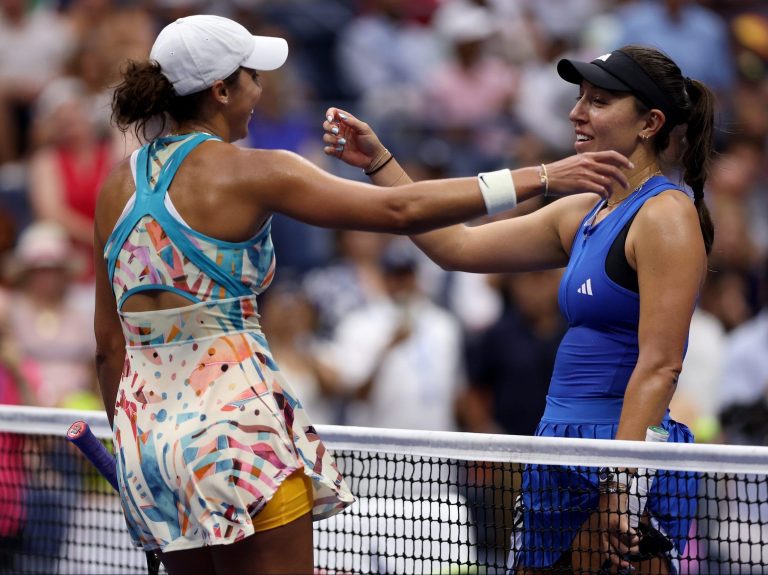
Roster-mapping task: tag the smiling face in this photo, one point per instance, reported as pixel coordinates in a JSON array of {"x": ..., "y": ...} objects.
[{"x": 605, "y": 120}]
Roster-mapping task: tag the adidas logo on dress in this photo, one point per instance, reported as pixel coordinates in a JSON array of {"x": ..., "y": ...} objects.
[{"x": 586, "y": 287}]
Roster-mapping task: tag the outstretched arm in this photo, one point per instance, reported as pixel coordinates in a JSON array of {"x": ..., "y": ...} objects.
[{"x": 535, "y": 241}]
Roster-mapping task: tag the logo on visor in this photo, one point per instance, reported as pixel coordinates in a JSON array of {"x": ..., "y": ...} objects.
[{"x": 604, "y": 57}]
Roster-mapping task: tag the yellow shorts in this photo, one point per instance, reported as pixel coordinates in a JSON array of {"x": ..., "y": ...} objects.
[{"x": 291, "y": 500}]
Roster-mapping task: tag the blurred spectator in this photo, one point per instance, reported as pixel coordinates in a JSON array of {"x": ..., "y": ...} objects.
[
  {"x": 290, "y": 319},
  {"x": 744, "y": 379},
  {"x": 66, "y": 173},
  {"x": 400, "y": 355},
  {"x": 601, "y": 33},
  {"x": 51, "y": 319},
  {"x": 466, "y": 295},
  {"x": 13, "y": 391},
  {"x": 84, "y": 16},
  {"x": 384, "y": 57},
  {"x": 166, "y": 11},
  {"x": 8, "y": 232},
  {"x": 469, "y": 96},
  {"x": 562, "y": 19},
  {"x": 510, "y": 363},
  {"x": 34, "y": 44},
  {"x": 115, "y": 36},
  {"x": 738, "y": 195},
  {"x": 750, "y": 35},
  {"x": 676, "y": 26},
  {"x": 544, "y": 101},
  {"x": 89, "y": 69},
  {"x": 352, "y": 280},
  {"x": 725, "y": 295},
  {"x": 311, "y": 29}
]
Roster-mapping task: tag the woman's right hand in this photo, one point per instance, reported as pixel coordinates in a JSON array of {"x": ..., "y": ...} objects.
[
  {"x": 351, "y": 140},
  {"x": 617, "y": 538},
  {"x": 590, "y": 172}
]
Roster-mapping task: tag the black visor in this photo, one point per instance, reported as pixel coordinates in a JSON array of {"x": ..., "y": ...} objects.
[{"x": 618, "y": 72}]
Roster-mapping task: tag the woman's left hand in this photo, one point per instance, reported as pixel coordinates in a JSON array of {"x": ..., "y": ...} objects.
[{"x": 351, "y": 140}]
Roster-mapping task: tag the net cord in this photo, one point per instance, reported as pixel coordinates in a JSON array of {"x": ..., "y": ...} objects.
[{"x": 460, "y": 446}]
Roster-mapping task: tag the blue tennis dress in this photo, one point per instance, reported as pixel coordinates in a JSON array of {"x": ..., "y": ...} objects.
[{"x": 594, "y": 363}]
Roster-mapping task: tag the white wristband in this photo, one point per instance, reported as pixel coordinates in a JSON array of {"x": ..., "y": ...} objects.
[{"x": 498, "y": 189}]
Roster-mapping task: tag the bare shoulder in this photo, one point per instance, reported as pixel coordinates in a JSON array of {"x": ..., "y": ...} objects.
[
  {"x": 118, "y": 180},
  {"x": 270, "y": 161},
  {"x": 670, "y": 213},
  {"x": 249, "y": 166},
  {"x": 667, "y": 229}
]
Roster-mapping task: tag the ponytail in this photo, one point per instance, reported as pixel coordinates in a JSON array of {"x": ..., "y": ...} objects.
[
  {"x": 141, "y": 99},
  {"x": 695, "y": 104},
  {"x": 699, "y": 144},
  {"x": 146, "y": 100}
]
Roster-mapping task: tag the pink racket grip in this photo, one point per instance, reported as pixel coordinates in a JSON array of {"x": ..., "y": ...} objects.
[{"x": 81, "y": 435}]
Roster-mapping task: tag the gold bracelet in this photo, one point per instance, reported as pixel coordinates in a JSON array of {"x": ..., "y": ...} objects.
[{"x": 544, "y": 178}]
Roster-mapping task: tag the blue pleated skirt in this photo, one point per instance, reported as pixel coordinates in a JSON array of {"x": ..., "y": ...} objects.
[{"x": 555, "y": 501}]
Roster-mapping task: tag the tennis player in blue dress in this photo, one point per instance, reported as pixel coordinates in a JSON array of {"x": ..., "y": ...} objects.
[{"x": 635, "y": 258}]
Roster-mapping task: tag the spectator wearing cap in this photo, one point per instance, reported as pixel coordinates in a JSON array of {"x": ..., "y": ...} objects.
[
  {"x": 400, "y": 356},
  {"x": 50, "y": 318}
]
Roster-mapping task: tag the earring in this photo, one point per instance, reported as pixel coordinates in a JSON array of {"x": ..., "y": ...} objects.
[{"x": 644, "y": 137}]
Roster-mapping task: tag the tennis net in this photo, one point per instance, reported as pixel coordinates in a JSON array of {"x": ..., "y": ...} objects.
[{"x": 427, "y": 502}]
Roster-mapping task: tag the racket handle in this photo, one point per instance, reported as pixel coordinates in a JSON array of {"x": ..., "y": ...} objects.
[{"x": 81, "y": 435}]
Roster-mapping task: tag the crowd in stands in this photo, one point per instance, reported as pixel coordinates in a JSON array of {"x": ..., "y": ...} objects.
[{"x": 368, "y": 330}]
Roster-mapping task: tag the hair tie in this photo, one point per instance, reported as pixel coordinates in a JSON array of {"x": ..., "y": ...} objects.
[{"x": 688, "y": 82}]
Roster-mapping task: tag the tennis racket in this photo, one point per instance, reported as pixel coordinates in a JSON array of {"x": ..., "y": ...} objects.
[{"x": 80, "y": 434}]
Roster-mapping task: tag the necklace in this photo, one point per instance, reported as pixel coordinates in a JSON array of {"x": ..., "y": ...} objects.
[{"x": 610, "y": 204}]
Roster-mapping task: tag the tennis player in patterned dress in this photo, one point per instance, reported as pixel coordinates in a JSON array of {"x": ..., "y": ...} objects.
[
  {"x": 634, "y": 265},
  {"x": 220, "y": 470}
]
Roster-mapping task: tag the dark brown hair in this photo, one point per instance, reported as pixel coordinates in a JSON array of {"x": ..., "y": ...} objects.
[
  {"x": 145, "y": 99},
  {"x": 696, "y": 103}
]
